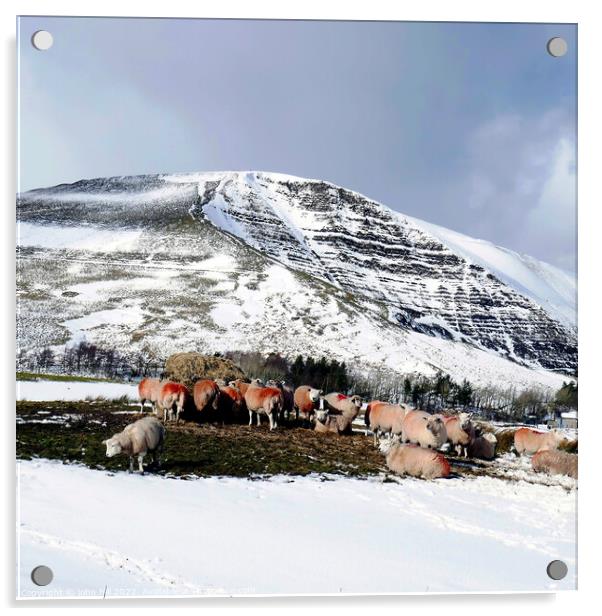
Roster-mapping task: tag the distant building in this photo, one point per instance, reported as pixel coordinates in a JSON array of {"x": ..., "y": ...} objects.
[{"x": 568, "y": 419}]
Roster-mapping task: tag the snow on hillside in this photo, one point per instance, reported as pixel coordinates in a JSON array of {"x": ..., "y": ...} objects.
[
  {"x": 286, "y": 535},
  {"x": 371, "y": 251},
  {"x": 552, "y": 288},
  {"x": 316, "y": 269}
]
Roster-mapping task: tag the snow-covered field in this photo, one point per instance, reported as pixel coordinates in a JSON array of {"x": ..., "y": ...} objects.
[
  {"x": 73, "y": 390},
  {"x": 112, "y": 535}
]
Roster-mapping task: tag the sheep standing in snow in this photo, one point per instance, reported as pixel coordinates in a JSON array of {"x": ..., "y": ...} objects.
[
  {"x": 483, "y": 446},
  {"x": 137, "y": 439},
  {"x": 149, "y": 390},
  {"x": 460, "y": 432},
  {"x": 423, "y": 429},
  {"x": 417, "y": 462},
  {"x": 384, "y": 418},
  {"x": 531, "y": 441},
  {"x": 555, "y": 462}
]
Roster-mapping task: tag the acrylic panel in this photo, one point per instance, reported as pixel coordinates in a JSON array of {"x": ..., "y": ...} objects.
[{"x": 296, "y": 307}]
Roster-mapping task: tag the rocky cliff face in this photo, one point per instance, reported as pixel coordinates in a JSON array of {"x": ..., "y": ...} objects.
[
  {"x": 379, "y": 258},
  {"x": 373, "y": 252}
]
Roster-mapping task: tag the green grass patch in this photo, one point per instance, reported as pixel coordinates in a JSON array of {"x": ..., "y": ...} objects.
[
  {"x": 74, "y": 431},
  {"x": 39, "y": 376}
]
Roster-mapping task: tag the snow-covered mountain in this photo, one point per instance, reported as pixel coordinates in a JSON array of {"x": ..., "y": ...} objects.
[{"x": 274, "y": 262}]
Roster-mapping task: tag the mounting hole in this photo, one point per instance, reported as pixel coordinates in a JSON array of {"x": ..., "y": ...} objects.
[
  {"x": 557, "y": 47},
  {"x": 557, "y": 570},
  {"x": 42, "y": 575},
  {"x": 42, "y": 40}
]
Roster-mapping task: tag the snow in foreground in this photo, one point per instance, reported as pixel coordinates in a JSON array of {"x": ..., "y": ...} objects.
[
  {"x": 40, "y": 391},
  {"x": 114, "y": 535}
]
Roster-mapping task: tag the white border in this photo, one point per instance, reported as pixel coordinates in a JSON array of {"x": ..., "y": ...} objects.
[{"x": 583, "y": 12}]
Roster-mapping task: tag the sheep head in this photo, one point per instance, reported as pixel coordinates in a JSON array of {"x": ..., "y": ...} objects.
[
  {"x": 435, "y": 425},
  {"x": 356, "y": 401},
  {"x": 113, "y": 447}
]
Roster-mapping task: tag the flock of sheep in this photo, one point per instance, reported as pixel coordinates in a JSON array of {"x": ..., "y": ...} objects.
[{"x": 415, "y": 437}]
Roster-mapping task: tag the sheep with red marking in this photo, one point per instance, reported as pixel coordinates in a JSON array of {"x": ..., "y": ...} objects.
[
  {"x": 460, "y": 432},
  {"x": 306, "y": 401},
  {"x": 423, "y": 429},
  {"x": 149, "y": 390},
  {"x": 340, "y": 404},
  {"x": 206, "y": 395},
  {"x": 240, "y": 385},
  {"x": 417, "y": 462},
  {"x": 384, "y": 418},
  {"x": 264, "y": 401},
  {"x": 531, "y": 441},
  {"x": 231, "y": 404},
  {"x": 173, "y": 397},
  {"x": 555, "y": 462}
]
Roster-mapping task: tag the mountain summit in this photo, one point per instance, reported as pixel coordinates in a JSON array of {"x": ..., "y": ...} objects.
[{"x": 400, "y": 272}]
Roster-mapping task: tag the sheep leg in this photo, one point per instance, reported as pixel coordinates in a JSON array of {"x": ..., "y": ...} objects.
[
  {"x": 271, "y": 418},
  {"x": 142, "y": 405},
  {"x": 131, "y": 468},
  {"x": 141, "y": 468},
  {"x": 164, "y": 415},
  {"x": 375, "y": 431},
  {"x": 250, "y": 417},
  {"x": 258, "y": 419}
]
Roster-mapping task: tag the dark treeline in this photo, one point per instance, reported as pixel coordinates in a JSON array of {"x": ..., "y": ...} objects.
[
  {"x": 442, "y": 392},
  {"x": 85, "y": 358},
  {"x": 321, "y": 373},
  {"x": 427, "y": 393}
]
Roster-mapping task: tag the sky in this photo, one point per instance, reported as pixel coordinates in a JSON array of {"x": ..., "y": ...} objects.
[{"x": 469, "y": 126}]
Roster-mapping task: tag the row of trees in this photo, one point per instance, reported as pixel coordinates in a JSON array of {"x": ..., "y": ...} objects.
[
  {"x": 89, "y": 359},
  {"x": 430, "y": 394},
  {"x": 442, "y": 392},
  {"x": 329, "y": 375}
]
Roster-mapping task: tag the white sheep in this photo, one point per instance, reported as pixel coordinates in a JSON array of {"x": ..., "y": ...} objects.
[
  {"x": 555, "y": 462},
  {"x": 137, "y": 439},
  {"x": 417, "y": 462},
  {"x": 424, "y": 429}
]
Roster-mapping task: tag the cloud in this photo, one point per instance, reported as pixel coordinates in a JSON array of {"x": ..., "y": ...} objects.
[{"x": 520, "y": 184}]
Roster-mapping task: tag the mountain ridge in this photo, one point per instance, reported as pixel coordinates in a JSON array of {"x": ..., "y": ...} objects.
[{"x": 323, "y": 230}]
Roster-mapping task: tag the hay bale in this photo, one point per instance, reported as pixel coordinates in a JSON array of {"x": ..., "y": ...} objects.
[
  {"x": 187, "y": 368},
  {"x": 505, "y": 440},
  {"x": 569, "y": 446}
]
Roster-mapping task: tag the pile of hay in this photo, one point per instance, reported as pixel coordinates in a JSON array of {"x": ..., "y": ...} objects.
[{"x": 187, "y": 368}]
